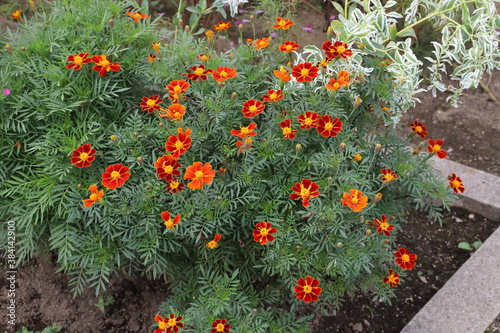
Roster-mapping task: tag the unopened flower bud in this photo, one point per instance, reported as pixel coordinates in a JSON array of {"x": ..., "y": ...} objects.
[
  {"x": 148, "y": 188},
  {"x": 135, "y": 134},
  {"x": 339, "y": 244},
  {"x": 361, "y": 46},
  {"x": 234, "y": 95},
  {"x": 357, "y": 157},
  {"x": 161, "y": 124},
  {"x": 342, "y": 146},
  {"x": 240, "y": 27},
  {"x": 268, "y": 23},
  {"x": 79, "y": 186},
  {"x": 297, "y": 247},
  {"x": 378, "y": 197},
  {"x": 252, "y": 18},
  {"x": 330, "y": 179},
  {"x": 32, "y": 5},
  {"x": 111, "y": 23},
  {"x": 114, "y": 139},
  {"x": 8, "y": 47},
  {"x": 221, "y": 84},
  {"x": 386, "y": 241},
  {"x": 181, "y": 23},
  {"x": 140, "y": 160},
  {"x": 368, "y": 232},
  {"x": 298, "y": 147},
  {"x": 23, "y": 49},
  {"x": 231, "y": 55},
  {"x": 187, "y": 28},
  {"x": 329, "y": 32},
  {"x": 355, "y": 130},
  {"x": 254, "y": 311},
  {"x": 357, "y": 102},
  {"x": 378, "y": 146}
]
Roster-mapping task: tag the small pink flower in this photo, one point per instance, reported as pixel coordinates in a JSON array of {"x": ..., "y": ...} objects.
[{"x": 6, "y": 92}]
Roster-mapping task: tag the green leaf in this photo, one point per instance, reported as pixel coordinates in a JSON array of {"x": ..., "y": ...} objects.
[
  {"x": 465, "y": 246},
  {"x": 338, "y": 29},
  {"x": 408, "y": 33},
  {"x": 477, "y": 244},
  {"x": 193, "y": 9}
]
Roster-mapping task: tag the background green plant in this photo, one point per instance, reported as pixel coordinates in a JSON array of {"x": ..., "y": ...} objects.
[{"x": 53, "y": 110}]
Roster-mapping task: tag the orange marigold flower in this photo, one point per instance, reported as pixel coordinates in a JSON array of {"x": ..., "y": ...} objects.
[
  {"x": 151, "y": 103},
  {"x": 341, "y": 81},
  {"x": 156, "y": 47},
  {"x": 388, "y": 175},
  {"x": 209, "y": 34},
  {"x": 224, "y": 73},
  {"x": 284, "y": 24},
  {"x": 261, "y": 43},
  {"x": 405, "y": 259},
  {"x": 357, "y": 157},
  {"x": 355, "y": 200},
  {"x": 289, "y": 46},
  {"x": 305, "y": 72},
  {"x": 78, "y": 60},
  {"x": 273, "y": 96},
  {"x": 214, "y": 242},
  {"x": 383, "y": 226},
  {"x": 305, "y": 191},
  {"x": 392, "y": 278},
  {"x": 16, "y": 14},
  {"x": 220, "y": 326},
  {"x": 328, "y": 127},
  {"x": 251, "y": 108},
  {"x": 151, "y": 58},
  {"x": 95, "y": 196},
  {"x": 308, "y": 120},
  {"x": 307, "y": 289},
  {"x": 83, "y": 156},
  {"x": 167, "y": 167},
  {"x": 168, "y": 325},
  {"x": 435, "y": 147},
  {"x": 222, "y": 25},
  {"x": 288, "y": 132},
  {"x": 282, "y": 74},
  {"x": 244, "y": 146},
  {"x": 324, "y": 63},
  {"x": 419, "y": 128},
  {"x": 115, "y": 176},
  {"x": 203, "y": 57},
  {"x": 244, "y": 132},
  {"x": 200, "y": 174},
  {"x": 263, "y": 233},
  {"x": 175, "y": 111},
  {"x": 199, "y": 73},
  {"x": 103, "y": 65},
  {"x": 137, "y": 16},
  {"x": 175, "y": 186},
  {"x": 178, "y": 144},
  {"x": 456, "y": 183},
  {"x": 169, "y": 223},
  {"x": 337, "y": 49},
  {"x": 177, "y": 87}
]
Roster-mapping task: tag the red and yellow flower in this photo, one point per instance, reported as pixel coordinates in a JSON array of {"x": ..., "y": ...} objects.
[
  {"x": 288, "y": 132},
  {"x": 176, "y": 88},
  {"x": 137, "y": 16},
  {"x": 341, "y": 81},
  {"x": 289, "y": 46},
  {"x": 245, "y": 145},
  {"x": 251, "y": 108},
  {"x": 383, "y": 226},
  {"x": 151, "y": 58},
  {"x": 175, "y": 111},
  {"x": 222, "y": 26},
  {"x": 355, "y": 200},
  {"x": 305, "y": 190},
  {"x": 199, "y": 174},
  {"x": 83, "y": 156},
  {"x": 405, "y": 259},
  {"x": 305, "y": 72},
  {"x": 419, "y": 128},
  {"x": 115, "y": 176},
  {"x": 95, "y": 196},
  {"x": 456, "y": 183},
  {"x": 328, "y": 127},
  {"x": 178, "y": 144},
  {"x": 169, "y": 223},
  {"x": 168, "y": 325},
  {"x": 175, "y": 186},
  {"x": 199, "y": 73},
  {"x": 151, "y": 103},
  {"x": 282, "y": 74},
  {"x": 263, "y": 233},
  {"x": 78, "y": 60},
  {"x": 392, "y": 278},
  {"x": 214, "y": 242},
  {"x": 388, "y": 175},
  {"x": 103, "y": 65},
  {"x": 335, "y": 50},
  {"x": 16, "y": 14},
  {"x": 273, "y": 96},
  {"x": 156, "y": 47},
  {"x": 261, "y": 43},
  {"x": 203, "y": 57},
  {"x": 244, "y": 132},
  {"x": 220, "y": 326},
  {"x": 307, "y": 289},
  {"x": 284, "y": 24},
  {"x": 308, "y": 120},
  {"x": 435, "y": 147},
  {"x": 167, "y": 167},
  {"x": 224, "y": 73}
]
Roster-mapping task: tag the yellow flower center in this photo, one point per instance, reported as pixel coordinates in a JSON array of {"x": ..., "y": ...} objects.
[
  {"x": 199, "y": 175},
  {"x": 199, "y": 71},
  {"x": 78, "y": 60},
  {"x": 341, "y": 49},
  {"x": 223, "y": 74},
  {"x": 168, "y": 168},
  {"x": 273, "y": 96},
  {"x": 307, "y": 289},
  {"x": 105, "y": 64},
  {"x": 388, "y": 177},
  {"x": 220, "y": 327},
  {"x": 84, "y": 156},
  {"x": 172, "y": 322},
  {"x": 174, "y": 185},
  {"x": 308, "y": 121},
  {"x": 436, "y": 148},
  {"x": 455, "y": 183},
  {"x": 392, "y": 278},
  {"x": 151, "y": 103},
  {"x": 289, "y": 47},
  {"x": 115, "y": 175},
  {"x": 418, "y": 129},
  {"x": 354, "y": 200},
  {"x": 328, "y": 126},
  {"x": 177, "y": 90},
  {"x": 304, "y": 192},
  {"x": 162, "y": 325},
  {"x": 169, "y": 224},
  {"x": 204, "y": 58},
  {"x": 384, "y": 225},
  {"x": 94, "y": 197},
  {"x": 264, "y": 232},
  {"x": 253, "y": 109},
  {"x": 405, "y": 258},
  {"x": 244, "y": 131},
  {"x": 304, "y": 72},
  {"x": 282, "y": 23},
  {"x": 287, "y": 130},
  {"x": 179, "y": 145},
  {"x": 212, "y": 244}
]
